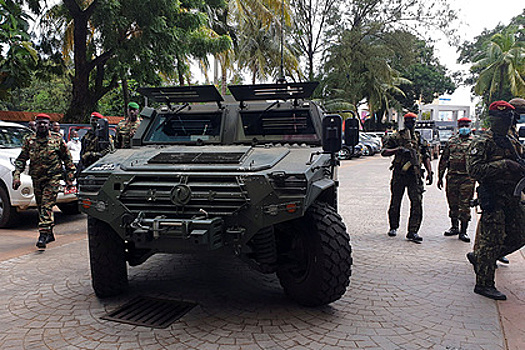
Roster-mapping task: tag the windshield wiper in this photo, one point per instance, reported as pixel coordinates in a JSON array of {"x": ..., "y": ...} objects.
[{"x": 170, "y": 117}]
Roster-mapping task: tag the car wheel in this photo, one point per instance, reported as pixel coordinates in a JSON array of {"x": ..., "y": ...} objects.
[
  {"x": 316, "y": 257},
  {"x": 344, "y": 153},
  {"x": 8, "y": 213},
  {"x": 109, "y": 274},
  {"x": 70, "y": 208}
]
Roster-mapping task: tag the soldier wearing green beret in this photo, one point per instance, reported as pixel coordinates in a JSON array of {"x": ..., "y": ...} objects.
[
  {"x": 495, "y": 160},
  {"x": 48, "y": 156},
  {"x": 126, "y": 128}
]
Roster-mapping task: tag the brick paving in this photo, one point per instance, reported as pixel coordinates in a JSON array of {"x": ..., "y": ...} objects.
[{"x": 401, "y": 295}]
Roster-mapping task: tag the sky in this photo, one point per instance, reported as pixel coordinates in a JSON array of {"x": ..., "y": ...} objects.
[{"x": 475, "y": 15}]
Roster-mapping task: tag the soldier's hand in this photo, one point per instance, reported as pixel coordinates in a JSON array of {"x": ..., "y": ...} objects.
[
  {"x": 514, "y": 166},
  {"x": 16, "y": 184},
  {"x": 430, "y": 178},
  {"x": 440, "y": 184}
]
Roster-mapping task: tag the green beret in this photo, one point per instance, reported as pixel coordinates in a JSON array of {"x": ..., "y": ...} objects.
[{"x": 133, "y": 105}]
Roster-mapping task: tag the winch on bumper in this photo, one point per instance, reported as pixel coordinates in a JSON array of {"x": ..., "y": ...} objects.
[{"x": 201, "y": 232}]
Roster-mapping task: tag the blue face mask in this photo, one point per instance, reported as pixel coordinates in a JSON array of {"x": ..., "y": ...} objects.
[
  {"x": 464, "y": 131},
  {"x": 76, "y": 138}
]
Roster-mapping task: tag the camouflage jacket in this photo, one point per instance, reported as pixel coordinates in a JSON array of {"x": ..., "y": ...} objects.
[
  {"x": 454, "y": 156},
  {"x": 486, "y": 161},
  {"x": 415, "y": 142},
  {"x": 45, "y": 156},
  {"x": 89, "y": 153},
  {"x": 125, "y": 131}
]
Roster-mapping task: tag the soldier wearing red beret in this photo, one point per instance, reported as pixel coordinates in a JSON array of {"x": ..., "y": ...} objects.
[
  {"x": 410, "y": 151},
  {"x": 48, "y": 156},
  {"x": 495, "y": 160},
  {"x": 460, "y": 186}
]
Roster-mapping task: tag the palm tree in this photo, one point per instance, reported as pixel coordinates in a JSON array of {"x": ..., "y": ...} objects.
[{"x": 502, "y": 65}]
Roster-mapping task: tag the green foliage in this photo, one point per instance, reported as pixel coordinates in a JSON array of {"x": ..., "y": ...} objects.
[
  {"x": 17, "y": 55},
  {"x": 498, "y": 58}
]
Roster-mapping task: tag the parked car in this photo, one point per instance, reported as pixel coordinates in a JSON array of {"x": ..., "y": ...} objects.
[
  {"x": 12, "y": 136},
  {"x": 349, "y": 152},
  {"x": 371, "y": 146}
]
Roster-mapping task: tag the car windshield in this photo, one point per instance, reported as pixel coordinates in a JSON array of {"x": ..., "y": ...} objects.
[
  {"x": 426, "y": 134},
  {"x": 185, "y": 128},
  {"x": 12, "y": 137},
  {"x": 445, "y": 134}
]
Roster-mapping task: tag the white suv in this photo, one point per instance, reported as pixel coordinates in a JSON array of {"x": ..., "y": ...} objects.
[{"x": 11, "y": 202}]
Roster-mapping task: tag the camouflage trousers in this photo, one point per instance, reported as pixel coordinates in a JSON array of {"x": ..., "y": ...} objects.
[
  {"x": 500, "y": 232},
  {"x": 46, "y": 191},
  {"x": 414, "y": 185},
  {"x": 459, "y": 190}
]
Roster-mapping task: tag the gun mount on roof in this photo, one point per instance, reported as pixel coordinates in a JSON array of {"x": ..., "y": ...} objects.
[
  {"x": 177, "y": 94},
  {"x": 287, "y": 91}
]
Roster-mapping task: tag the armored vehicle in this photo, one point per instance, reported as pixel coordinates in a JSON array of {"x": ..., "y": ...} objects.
[{"x": 254, "y": 176}]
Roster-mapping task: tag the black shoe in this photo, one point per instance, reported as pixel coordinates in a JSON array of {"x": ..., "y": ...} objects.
[
  {"x": 392, "y": 232},
  {"x": 414, "y": 237},
  {"x": 50, "y": 237},
  {"x": 41, "y": 243},
  {"x": 452, "y": 231},
  {"x": 490, "y": 292},
  {"x": 464, "y": 237},
  {"x": 471, "y": 259},
  {"x": 504, "y": 260}
]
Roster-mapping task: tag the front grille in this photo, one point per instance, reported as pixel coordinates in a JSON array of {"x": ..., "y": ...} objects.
[
  {"x": 217, "y": 196},
  {"x": 197, "y": 158},
  {"x": 91, "y": 184}
]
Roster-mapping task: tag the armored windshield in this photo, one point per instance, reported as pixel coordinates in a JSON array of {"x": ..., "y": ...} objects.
[
  {"x": 185, "y": 128},
  {"x": 279, "y": 125}
]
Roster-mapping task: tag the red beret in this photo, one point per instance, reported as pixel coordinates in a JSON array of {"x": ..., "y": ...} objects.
[
  {"x": 500, "y": 106},
  {"x": 42, "y": 116},
  {"x": 410, "y": 115},
  {"x": 464, "y": 119},
  {"x": 97, "y": 115}
]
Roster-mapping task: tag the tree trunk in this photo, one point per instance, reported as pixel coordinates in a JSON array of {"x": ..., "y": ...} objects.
[{"x": 125, "y": 94}]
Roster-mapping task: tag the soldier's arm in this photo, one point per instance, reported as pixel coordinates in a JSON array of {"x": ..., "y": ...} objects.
[
  {"x": 478, "y": 165},
  {"x": 66, "y": 158},
  {"x": 390, "y": 147},
  {"x": 444, "y": 161},
  {"x": 21, "y": 160}
]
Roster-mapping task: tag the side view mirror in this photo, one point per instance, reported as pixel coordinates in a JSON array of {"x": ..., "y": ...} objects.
[
  {"x": 332, "y": 133},
  {"x": 351, "y": 131}
]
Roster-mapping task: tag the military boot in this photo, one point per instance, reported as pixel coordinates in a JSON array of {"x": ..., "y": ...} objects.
[
  {"x": 414, "y": 237},
  {"x": 454, "y": 229},
  {"x": 489, "y": 292},
  {"x": 463, "y": 232},
  {"x": 504, "y": 260},
  {"x": 392, "y": 232},
  {"x": 50, "y": 237},
  {"x": 42, "y": 239}
]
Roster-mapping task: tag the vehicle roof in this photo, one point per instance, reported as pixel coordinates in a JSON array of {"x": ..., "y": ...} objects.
[{"x": 3, "y": 123}]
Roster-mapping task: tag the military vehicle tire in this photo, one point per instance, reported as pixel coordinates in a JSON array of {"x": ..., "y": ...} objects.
[
  {"x": 8, "y": 213},
  {"x": 109, "y": 274},
  {"x": 320, "y": 258},
  {"x": 70, "y": 208}
]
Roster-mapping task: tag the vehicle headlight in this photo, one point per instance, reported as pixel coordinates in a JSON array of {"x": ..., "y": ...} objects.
[{"x": 26, "y": 191}]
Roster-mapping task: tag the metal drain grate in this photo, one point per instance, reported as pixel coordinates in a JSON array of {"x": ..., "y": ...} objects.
[{"x": 150, "y": 312}]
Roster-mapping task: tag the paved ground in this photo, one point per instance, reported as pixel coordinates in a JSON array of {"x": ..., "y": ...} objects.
[{"x": 401, "y": 295}]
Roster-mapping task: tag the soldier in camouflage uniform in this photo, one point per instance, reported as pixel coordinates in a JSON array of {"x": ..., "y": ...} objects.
[
  {"x": 460, "y": 186},
  {"x": 494, "y": 161},
  {"x": 90, "y": 151},
  {"x": 410, "y": 151},
  {"x": 47, "y": 153},
  {"x": 127, "y": 128}
]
